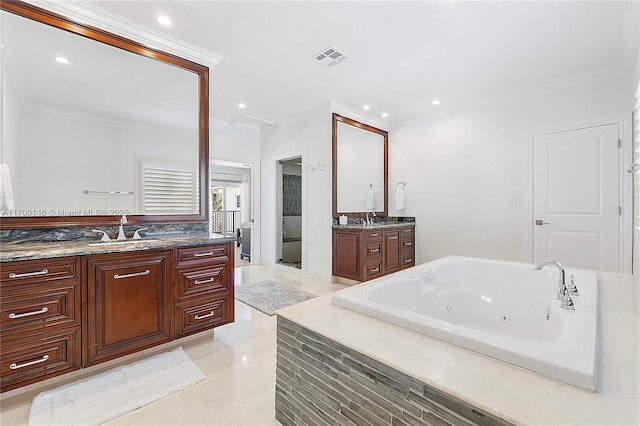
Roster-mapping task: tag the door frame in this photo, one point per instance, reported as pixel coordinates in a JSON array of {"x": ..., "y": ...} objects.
[
  {"x": 254, "y": 166},
  {"x": 625, "y": 181},
  {"x": 277, "y": 203}
]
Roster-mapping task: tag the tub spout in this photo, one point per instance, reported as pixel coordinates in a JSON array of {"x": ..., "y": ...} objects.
[{"x": 561, "y": 294}]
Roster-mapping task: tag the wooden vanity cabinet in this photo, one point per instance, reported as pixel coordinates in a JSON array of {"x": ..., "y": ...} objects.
[
  {"x": 39, "y": 320},
  {"x": 407, "y": 247},
  {"x": 204, "y": 290},
  {"x": 366, "y": 254},
  {"x": 129, "y": 303},
  {"x": 58, "y": 315}
]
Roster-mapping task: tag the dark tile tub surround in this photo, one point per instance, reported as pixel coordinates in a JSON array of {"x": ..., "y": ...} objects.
[{"x": 319, "y": 381}]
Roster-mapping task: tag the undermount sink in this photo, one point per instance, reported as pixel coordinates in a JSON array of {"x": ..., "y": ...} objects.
[{"x": 114, "y": 242}]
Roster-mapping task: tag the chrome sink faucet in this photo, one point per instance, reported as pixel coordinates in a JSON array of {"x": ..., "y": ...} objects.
[
  {"x": 562, "y": 293},
  {"x": 370, "y": 221},
  {"x": 121, "y": 235}
]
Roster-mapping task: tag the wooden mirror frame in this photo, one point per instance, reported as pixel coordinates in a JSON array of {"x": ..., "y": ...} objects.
[
  {"x": 46, "y": 17},
  {"x": 334, "y": 136}
]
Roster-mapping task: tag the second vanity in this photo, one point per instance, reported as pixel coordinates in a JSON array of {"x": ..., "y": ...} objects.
[
  {"x": 364, "y": 252},
  {"x": 68, "y": 305}
]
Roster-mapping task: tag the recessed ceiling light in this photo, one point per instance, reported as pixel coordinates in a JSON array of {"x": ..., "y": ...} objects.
[
  {"x": 435, "y": 102},
  {"x": 62, "y": 59},
  {"x": 366, "y": 107},
  {"x": 164, "y": 20},
  {"x": 384, "y": 115},
  {"x": 242, "y": 106}
]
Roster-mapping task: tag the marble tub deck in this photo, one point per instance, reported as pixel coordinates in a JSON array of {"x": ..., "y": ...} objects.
[{"x": 508, "y": 392}]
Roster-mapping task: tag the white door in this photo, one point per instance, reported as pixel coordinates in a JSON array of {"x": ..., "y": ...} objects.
[{"x": 576, "y": 198}]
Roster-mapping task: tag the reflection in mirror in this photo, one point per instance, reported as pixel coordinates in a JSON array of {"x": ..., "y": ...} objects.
[
  {"x": 105, "y": 131},
  {"x": 360, "y": 168}
]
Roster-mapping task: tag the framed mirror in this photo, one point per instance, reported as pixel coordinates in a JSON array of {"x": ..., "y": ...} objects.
[
  {"x": 96, "y": 125},
  {"x": 360, "y": 168}
]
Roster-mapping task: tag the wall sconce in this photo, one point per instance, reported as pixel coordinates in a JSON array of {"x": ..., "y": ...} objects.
[{"x": 313, "y": 168}]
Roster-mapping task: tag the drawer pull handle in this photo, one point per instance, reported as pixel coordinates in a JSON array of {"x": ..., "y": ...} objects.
[
  {"x": 408, "y": 260},
  {"x": 209, "y": 253},
  {"x": 29, "y": 274},
  {"x": 407, "y": 230},
  {"x": 374, "y": 235},
  {"x": 198, "y": 317},
  {"x": 408, "y": 244},
  {"x": 28, "y": 314},
  {"x": 135, "y": 274},
  {"x": 372, "y": 271},
  {"x": 210, "y": 280},
  {"x": 376, "y": 250},
  {"x": 15, "y": 366},
  {"x": 395, "y": 237}
]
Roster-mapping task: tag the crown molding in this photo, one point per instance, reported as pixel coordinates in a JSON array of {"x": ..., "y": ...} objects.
[
  {"x": 357, "y": 115},
  {"x": 95, "y": 16}
]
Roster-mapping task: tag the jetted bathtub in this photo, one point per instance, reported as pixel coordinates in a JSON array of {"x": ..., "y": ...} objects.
[{"x": 504, "y": 310}]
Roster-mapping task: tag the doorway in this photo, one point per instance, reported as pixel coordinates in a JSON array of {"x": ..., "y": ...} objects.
[
  {"x": 579, "y": 201},
  {"x": 289, "y": 201},
  {"x": 231, "y": 205}
]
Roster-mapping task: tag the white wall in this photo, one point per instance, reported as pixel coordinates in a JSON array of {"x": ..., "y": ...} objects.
[
  {"x": 465, "y": 170},
  {"x": 307, "y": 134},
  {"x": 241, "y": 145}
]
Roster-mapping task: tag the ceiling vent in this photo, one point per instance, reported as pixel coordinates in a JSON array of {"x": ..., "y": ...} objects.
[{"x": 330, "y": 57}]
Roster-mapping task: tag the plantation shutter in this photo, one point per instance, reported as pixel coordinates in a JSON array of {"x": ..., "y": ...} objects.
[{"x": 170, "y": 188}]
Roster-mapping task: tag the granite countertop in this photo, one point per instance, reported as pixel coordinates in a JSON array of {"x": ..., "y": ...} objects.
[
  {"x": 509, "y": 392},
  {"x": 360, "y": 226},
  {"x": 11, "y": 252}
]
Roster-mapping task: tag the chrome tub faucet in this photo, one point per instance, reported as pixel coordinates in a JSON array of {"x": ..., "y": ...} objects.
[{"x": 562, "y": 294}]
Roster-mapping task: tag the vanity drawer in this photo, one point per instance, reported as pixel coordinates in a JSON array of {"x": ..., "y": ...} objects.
[
  {"x": 203, "y": 281},
  {"x": 372, "y": 235},
  {"x": 189, "y": 255},
  {"x": 408, "y": 260},
  {"x": 372, "y": 269},
  {"x": 407, "y": 244},
  {"x": 33, "y": 271},
  {"x": 373, "y": 250},
  {"x": 196, "y": 317},
  {"x": 35, "y": 307},
  {"x": 408, "y": 231},
  {"x": 26, "y": 361}
]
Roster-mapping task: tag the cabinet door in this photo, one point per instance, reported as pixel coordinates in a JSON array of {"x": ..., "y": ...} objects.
[
  {"x": 391, "y": 251},
  {"x": 347, "y": 259},
  {"x": 129, "y": 302}
]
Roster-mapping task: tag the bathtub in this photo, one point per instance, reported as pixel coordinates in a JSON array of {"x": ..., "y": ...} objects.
[{"x": 504, "y": 310}]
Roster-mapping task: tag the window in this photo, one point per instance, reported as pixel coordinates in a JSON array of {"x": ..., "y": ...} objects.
[{"x": 169, "y": 187}]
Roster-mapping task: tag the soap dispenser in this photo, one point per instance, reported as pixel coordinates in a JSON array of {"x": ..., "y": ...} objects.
[{"x": 343, "y": 220}]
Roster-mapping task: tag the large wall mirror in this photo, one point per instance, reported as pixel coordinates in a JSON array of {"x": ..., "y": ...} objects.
[
  {"x": 360, "y": 161},
  {"x": 95, "y": 125}
]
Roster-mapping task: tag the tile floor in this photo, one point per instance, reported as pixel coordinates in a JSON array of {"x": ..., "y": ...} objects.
[{"x": 238, "y": 359}]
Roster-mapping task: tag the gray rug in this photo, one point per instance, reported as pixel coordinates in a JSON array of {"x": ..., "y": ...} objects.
[{"x": 269, "y": 296}]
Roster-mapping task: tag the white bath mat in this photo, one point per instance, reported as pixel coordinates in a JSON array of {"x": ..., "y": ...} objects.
[{"x": 97, "y": 399}]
